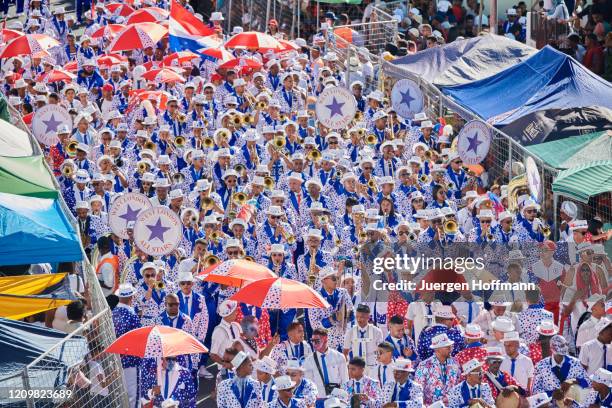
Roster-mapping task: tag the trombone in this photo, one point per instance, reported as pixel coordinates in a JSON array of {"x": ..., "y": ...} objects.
[
  {"x": 239, "y": 198},
  {"x": 237, "y": 120},
  {"x": 211, "y": 260},
  {"x": 279, "y": 142},
  {"x": 371, "y": 139},
  {"x": 179, "y": 141},
  {"x": 314, "y": 155},
  {"x": 208, "y": 142}
]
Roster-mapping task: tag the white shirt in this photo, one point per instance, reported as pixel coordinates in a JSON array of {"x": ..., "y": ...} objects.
[
  {"x": 418, "y": 313},
  {"x": 523, "y": 369},
  {"x": 95, "y": 371},
  {"x": 547, "y": 273},
  {"x": 370, "y": 339},
  {"x": 586, "y": 331},
  {"x": 222, "y": 337},
  {"x": 592, "y": 355},
  {"x": 463, "y": 309},
  {"x": 337, "y": 369}
]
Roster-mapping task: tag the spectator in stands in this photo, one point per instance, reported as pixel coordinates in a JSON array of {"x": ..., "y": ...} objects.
[
  {"x": 75, "y": 312},
  {"x": 577, "y": 48},
  {"x": 594, "y": 57}
]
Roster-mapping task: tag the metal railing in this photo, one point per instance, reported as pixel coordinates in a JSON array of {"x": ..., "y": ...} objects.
[
  {"x": 98, "y": 331},
  {"x": 542, "y": 31}
]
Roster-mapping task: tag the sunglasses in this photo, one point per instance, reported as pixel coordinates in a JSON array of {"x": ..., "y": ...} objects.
[
  {"x": 233, "y": 253},
  {"x": 438, "y": 221},
  {"x": 333, "y": 143},
  {"x": 173, "y": 106},
  {"x": 149, "y": 276},
  {"x": 186, "y": 283},
  {"x": 458, "y": 162},
  {"x": 276, "y": 217},
  {"x": 368, "y": 168},
  {"x": 485, "y": 221}
]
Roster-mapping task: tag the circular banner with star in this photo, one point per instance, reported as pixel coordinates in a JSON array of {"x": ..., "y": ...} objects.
[
  {"x": 47, "y": 120},
  {"x": 406, "y": 98},
  {"x": 336, "y": 107},
  {"x": 533, "y": 179},
  {"x": 473, "y": 142},
  {"x": 158, "y": 231},
  {"x": 124, "y": 209}
]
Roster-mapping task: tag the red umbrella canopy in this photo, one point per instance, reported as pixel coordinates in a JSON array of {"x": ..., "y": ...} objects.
[
  {"x": 242, "y": 63},
  {"x": 28, "y": 44},
  {"x": 236, "y": 272},
  {"x": 108, "y": 31},
  {"x": 147, "y": 15},
  {"x": 180, "y": 57},
  {"x": 138, "y": 36},
  {"x": 218, "y": 53},
  {"x": 156, "y": 342},
  {"x": 119, "y": 9},
  {"x": 253, "y": 40},
  {"x": 8, "y": 34},
  {"x": 163, "y": 75},
  {"x": 57, "y": 74},
  {"x": 280, "y": 293},
  {"x": 108, "y": 60}
]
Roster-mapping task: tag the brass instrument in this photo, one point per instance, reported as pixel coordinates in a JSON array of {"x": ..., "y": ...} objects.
[
  {"x": 314, "y": 155},
  {"x": 545, "y": 230},
  {"x": 249, "y": 258},
  {"x": 239, "y": 168},
  {"x": 323, "y": 219},
  {"x": 424, "y": 178},
  {"x": 450, "y": 227},
  {"x": 358, "y": 116},
  {"x": 338, "y": 242},
  {"x": 371, "y": 139},
  {"x": 279, "y": 142},
  {"x": 224, "y": 133},
  {"x": 71, "y": 149},
  {"x": 237, "y": 120},
  {"x": 268, "y": 183},
  {"x": 239, "y": 198},
  {"x": 254, "y": 155},
  {"x": 288, "y": 237},
  {"x": 142, "y": 167},
  {"x": 248, "y": 119},
  {"x": 412, "y": 237},
  {"x": 159, "y": 285},
  {"x": 68, "y": 171},
  {"x": 372, "y": 184},
  {"x": 181, "y": 117},
  {"x": 208, "y": 142},
  {"x": 179, "y": 141},
  {"x": 282, "y": 117},
  {"x": 428, "y": 154},
  {"x": 211, "y": 260},
  {"x": 261, "y": 105},
  {"x": 361, "y": 132},
  {"x": 150, "y": 145},
  {"x": 215, "y": 237},
  {"x": 490, "y": 237},
  {"x": 207, "y": 203},
  {"x": 449, "y": 186},
  {"x": 312, "y": 278},
  {"x": 193, "y": 219},
  {"x": 362, "y": 236}
]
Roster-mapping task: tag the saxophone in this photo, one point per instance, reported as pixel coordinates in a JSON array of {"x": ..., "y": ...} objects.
[{"x": 312, "y": 278}]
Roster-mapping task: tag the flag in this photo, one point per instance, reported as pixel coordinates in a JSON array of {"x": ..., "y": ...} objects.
[
  {"x": 93, "y": 10},
  {"x": 186, "y": 32}
]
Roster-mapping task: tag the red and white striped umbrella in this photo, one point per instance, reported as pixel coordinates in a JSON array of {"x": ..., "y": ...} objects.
[
  {"x": 8, "y": 34},
  {"x": 138, "y": 36},
  {"x": 218, "y": 53},
  {"x": 147, "y": 15},
  {"x": 108, "y": 60},
  {"x": 285, "y": 46},
  {"x": 119, "y": 9},
  {"x": 280, "y": 293},
  {"x": 156, "y": 342},
  {"x": 28, "y": 44},
  {"x": 72, "y": 66},
  {"x": 253, "y": 40},
  {"x": 244, "y": 62},
  {"x": 57, "y": 74},
  {"x": 108, "y": 31},
  {"x": 163, "y": 75},
  {"x": 180, "y": 57}
]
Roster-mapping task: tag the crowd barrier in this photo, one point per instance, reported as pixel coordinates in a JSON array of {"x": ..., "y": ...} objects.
[{"x": 542, "y": 31}]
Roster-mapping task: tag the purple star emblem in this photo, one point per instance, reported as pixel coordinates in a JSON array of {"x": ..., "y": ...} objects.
[
  {"x": 130, "y": 215},
  {"x": 335, "y": 107},
  {"x": 474, "y": 143},
  {"x": 406, "y": 98},
  {"x": 52, "y": 124},
  {"x": 157, "y": 230}
]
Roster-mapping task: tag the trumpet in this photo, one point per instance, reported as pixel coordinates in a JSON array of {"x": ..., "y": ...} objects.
[
  {"x": 371, "y": 139},
  {"x": 179, "y": 141},
  {"x": 424, "y": 178},
  {"x": 239, "y": 168},
  {"x": 159, "y": 285},
  {"x": 324, "y": 219},
  {"x": 215, "y": 237},
  {"x": 362, "y": 236},
  {"x": 545, "y": 230},
  {"x": 68, "y": 171},
  {"x": 450, "y": 227},
  {"x": 358, "y": 116},
  {"x": 268, "y": 183},
  {"x": 237, "y": 120},
  {"x": 490, "y": 237},
  {"x": 428, "y": 154},
  {"x": 150, "y": 145},
  {"x": 288, "y": 237},
  {"x": 207, "y": 203},
  {"x": 225, "y": 133},
  {"x": 361, "y": 132},
  {"x": 372, "y": 184},
  {"x": 249, "y": 258},
  {"x": 211, "y": 260},
  {"x": 178, "y": 178},
  {"x": 412, "y": 236},
  {"x": 450, "y": 186},
  {"x": 193, "y": 219},
  {"x": 312, "y": 278},
  {"x": 239, "y": 198},
  {"x": 72, "y": 148},
  {"x": 208, "y": 142},
  {"x": 261, "y": 105},
  {"x": 248, "y": 119},
  {"x": 142, "y": 167},
  {"x": 314, "y": 155},
  {"x": 282, "y": 117},
  {"x": 279, "y": 142}
]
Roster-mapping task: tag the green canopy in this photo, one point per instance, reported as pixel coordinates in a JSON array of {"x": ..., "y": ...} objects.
[
  {"x": 574, "y": 151},
  {"x": 585, "y": 181},
  {"x": 26, "y": 176}
]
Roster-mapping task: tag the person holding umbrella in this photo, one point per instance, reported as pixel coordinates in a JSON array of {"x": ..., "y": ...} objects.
[{"x": 173, "y": 384}]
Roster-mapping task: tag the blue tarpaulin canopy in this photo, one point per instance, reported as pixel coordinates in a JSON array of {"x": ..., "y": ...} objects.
[
  {"x": 35, "y": 230},
  {"x": 464, "y": 61},
  {"x": 547, "y": 80}
]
